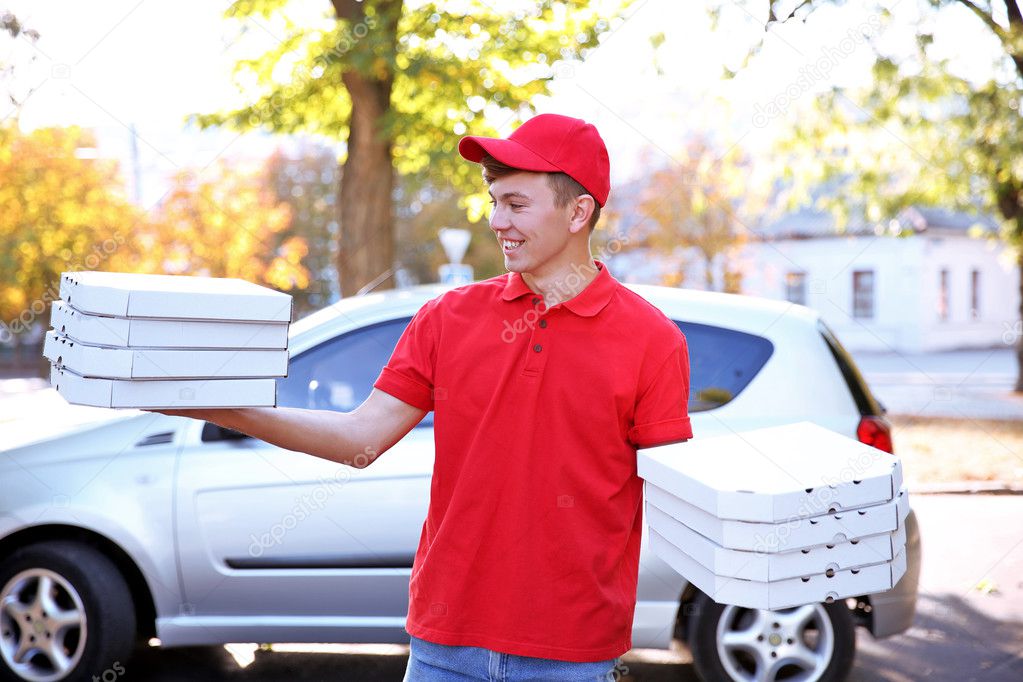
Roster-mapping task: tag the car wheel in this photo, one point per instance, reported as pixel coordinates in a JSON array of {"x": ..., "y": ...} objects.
[
  {"x": 66, "y": 614},
  {"x": 812, "y": 643}
]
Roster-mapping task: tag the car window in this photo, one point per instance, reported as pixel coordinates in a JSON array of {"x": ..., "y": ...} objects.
[
  {"x": 338, "y": 374},
  {"x": 722, "y": 362},
  {"x": 865, "y": 400}
]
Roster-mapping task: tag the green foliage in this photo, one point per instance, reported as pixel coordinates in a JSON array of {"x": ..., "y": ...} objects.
[
  {"x": 921, "y": 134},
  {"x": 422, "y": 211},
  {"x": 59, "y": 211},
  {"x": 451, "y": 63},
  {"x": 306, "y": 180},
  {"x": 63, "y": 210},
  {"x": 704, "y": 201}
]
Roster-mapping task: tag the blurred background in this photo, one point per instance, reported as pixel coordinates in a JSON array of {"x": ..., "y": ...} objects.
[
  {"x": 860, "y": 158},
  {"x": 863, "y": 159}
]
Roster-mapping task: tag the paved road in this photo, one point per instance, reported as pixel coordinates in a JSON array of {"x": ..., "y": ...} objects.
[
  {"x": 970, "y": 383},
  {"x": 962, "y": 633}
]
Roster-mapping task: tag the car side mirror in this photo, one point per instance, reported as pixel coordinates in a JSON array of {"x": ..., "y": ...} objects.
[{"x": 215, "y": 432}]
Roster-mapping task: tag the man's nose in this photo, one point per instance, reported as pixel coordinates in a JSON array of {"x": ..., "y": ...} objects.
[{"x": 499, "y": 219}]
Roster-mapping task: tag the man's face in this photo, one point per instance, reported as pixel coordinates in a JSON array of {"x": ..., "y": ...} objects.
[{"x": 531, "y": 230}]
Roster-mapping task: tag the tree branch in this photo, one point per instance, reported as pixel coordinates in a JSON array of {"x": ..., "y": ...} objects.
[
  {"x": 773, "y": 17},
  {"x": 987, "y": 18},
  {"x": 1009, "y": 37},
  {"x": 349, "y": 9},
  {"x": 1015, "y": 17},
  {"x": 1016, "y": 34}
]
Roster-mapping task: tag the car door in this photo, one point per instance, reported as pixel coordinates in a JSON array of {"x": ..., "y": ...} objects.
[{"x": 282, "y": 546}]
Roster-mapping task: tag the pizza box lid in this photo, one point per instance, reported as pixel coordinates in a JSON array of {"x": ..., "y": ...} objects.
[
  {"x": 794, "y": 534},
  {"x": 775, "y": 473},
  {"x": 763, "y": 566},
  {"x": 134, "y": 332},
  {"x": 786, "y": 593},
  {"x": 124, "y": 294},
  {"x": 169, "y": 394},
  {"x": 162, "y": 363}
]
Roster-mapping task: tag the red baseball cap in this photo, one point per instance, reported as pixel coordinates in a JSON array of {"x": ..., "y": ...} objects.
[{"x": 550, "y": 143}]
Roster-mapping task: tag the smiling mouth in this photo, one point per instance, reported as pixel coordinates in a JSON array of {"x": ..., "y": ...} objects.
[{"x": 510, "y": 245}]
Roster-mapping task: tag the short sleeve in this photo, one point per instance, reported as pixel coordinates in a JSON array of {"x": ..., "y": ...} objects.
[
  {"x": 409, "y": 374},
  {"x": 662, "y": 410}
]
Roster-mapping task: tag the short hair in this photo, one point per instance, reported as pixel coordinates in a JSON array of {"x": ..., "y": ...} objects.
[{"x": 565, "y": 187}]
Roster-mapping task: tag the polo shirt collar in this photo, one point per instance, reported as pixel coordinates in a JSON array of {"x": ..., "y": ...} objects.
[{"x": 586, "y": 303}]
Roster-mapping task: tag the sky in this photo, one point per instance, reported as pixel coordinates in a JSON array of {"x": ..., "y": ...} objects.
[{"x": 146, "y": 65}]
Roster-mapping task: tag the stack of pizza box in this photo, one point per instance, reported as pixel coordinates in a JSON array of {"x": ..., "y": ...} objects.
[
  {"x": 164, "y": 341},
  {"x": 777, "y": 517}
]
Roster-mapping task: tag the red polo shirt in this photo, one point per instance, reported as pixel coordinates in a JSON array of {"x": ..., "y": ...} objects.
[{"x": 531, "y": 542}]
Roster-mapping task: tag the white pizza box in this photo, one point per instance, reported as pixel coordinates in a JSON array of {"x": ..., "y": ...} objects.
[
  {"x": 169, "y": 394},
  {"x": 127, "y": 332},
  {"x": 781, "y": 594},
  {"x": 795, "y": 534},
  {"x": 774, "y": 474},
  {"x": 162, "y": 363},
  {"x": 173, "y": 297},
  {"x": 733, "y": 563}
]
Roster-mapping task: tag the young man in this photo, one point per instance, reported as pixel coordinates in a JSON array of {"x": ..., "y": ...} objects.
[{"x": 543, "y": 382}]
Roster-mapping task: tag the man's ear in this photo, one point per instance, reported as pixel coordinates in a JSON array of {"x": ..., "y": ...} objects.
[{"x": 583, "y": 207}]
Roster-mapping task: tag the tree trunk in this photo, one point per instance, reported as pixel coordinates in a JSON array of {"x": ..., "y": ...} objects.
[
  {"x": 708, "y": 271},
  {"x": 1019, "y": 341},
  {"x": 1010, "y": 204},
  {"x": 365, "y": 208}
]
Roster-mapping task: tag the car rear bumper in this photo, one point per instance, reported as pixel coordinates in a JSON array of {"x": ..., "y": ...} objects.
[{"x": 893, "y": 611}]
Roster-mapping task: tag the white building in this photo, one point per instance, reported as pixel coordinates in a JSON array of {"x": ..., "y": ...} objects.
[{"x": 935, "y": 288}]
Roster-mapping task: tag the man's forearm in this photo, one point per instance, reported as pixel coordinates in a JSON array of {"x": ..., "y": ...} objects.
[
  {"x": 338, "y": 436},
  {"x": 354, "y": 438}
]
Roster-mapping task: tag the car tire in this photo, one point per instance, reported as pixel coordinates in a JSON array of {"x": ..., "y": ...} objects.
[
  {"x": 82, "y": 629},
  {"x": 813, "y": 643}
]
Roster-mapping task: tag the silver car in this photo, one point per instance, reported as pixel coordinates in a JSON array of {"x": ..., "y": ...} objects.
[{"x": 141, "y": 525}]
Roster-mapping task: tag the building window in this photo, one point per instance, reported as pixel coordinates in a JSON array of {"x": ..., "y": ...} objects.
[
  {"x": 975, "y": 294},
  {"x": 943, "y": 295},
  {"x": 863, "y": 294},
  {"x": 795, "y": 287}
]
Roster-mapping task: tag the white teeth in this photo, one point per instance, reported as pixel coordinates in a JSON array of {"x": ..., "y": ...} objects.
[{"x": 509, "y": 244}]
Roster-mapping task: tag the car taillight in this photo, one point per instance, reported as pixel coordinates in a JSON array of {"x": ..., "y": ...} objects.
[{"x": 875, "y": 431}]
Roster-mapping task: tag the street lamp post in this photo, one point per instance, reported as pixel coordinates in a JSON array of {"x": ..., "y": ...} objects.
[{"x": 455, "y": 241}]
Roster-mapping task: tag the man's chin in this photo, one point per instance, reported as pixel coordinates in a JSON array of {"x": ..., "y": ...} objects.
[{"x": 515, "y": 264}]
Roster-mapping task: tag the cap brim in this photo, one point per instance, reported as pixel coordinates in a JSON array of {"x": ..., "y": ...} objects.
[{"x": 508, "y": 152}]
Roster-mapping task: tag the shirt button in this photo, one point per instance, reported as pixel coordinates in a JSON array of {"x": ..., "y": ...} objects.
[
  {"x": 536, "y": 300},
  {"x": 538, "y": 348},
  {"x": 543, "y": 324}
]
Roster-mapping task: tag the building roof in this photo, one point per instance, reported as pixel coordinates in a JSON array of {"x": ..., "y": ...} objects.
[{"x": 808, "y": 223}]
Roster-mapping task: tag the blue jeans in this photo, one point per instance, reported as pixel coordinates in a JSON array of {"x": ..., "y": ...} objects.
[{"x": 429, "y": 662}]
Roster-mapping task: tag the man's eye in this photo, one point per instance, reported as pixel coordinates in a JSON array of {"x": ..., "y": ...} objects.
[{"x": 515, "y": 206}]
